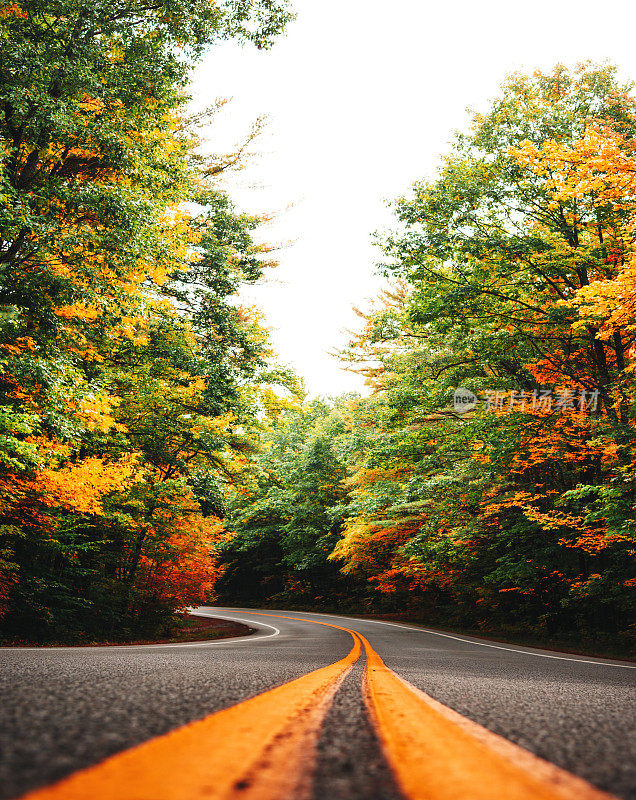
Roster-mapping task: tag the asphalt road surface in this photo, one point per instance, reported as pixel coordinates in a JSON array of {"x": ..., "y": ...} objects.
[{"x": 62, "y": 709}]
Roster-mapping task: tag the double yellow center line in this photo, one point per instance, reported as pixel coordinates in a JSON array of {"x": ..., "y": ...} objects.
[{"x": 264, "y": 748}]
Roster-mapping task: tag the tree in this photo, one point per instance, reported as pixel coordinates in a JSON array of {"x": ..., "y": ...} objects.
[
  {"x": 519, "y": 512},
  {"x": 286, "y": 521},
  {"x": 127, "y": 368}
]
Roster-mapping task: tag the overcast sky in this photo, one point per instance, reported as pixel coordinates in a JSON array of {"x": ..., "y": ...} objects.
[{"x": 363, "y": 98}]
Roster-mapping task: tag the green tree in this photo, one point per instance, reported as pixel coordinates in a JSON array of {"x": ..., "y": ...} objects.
[
  {"x": 128, "y": 371},
  {"x": 288, "y": 519}
]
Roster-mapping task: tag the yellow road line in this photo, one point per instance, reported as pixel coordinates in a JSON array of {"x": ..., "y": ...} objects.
[
  {"x": 436, "y": 754},
  {"x": 260, "y": 749},
  {"x": 264, "y": 748}
]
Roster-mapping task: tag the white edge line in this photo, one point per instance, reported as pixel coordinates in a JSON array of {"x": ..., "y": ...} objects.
[
  {"x": 528, "y": 652},
  {"x": 209, "y": 643},
  {"x": 500, "y": 647}
]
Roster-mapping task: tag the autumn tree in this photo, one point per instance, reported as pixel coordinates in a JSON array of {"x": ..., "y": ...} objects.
[
  {"x": 127, "y": 367},
  {"x": 509, "y": 259}
]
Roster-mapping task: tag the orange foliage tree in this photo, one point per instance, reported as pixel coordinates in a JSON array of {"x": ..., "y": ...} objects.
[{"x": 516, "y": 283}]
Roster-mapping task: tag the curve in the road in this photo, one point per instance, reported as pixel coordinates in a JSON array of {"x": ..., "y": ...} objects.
[
  {"x": 272, "y": 631},
  {"x": 264, "y": 748}
]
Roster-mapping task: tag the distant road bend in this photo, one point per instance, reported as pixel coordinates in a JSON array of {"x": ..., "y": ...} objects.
[{"x": 316, "y": 707}]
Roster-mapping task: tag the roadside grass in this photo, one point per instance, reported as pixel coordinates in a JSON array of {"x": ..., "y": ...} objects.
[{"x": 187, "y": 628}]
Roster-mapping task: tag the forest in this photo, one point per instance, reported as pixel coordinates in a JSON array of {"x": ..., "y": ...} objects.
[{"x": 154, "y": 453}]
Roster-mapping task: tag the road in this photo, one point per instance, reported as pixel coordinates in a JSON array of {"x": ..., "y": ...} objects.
[{"x": 319, "y": 736}]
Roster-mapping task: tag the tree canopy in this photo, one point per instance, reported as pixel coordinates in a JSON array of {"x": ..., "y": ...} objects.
[
  {"x": 152, "y": 453},
  {"x": 511, "y": 281},
  {"x": 129, "y": 372}
]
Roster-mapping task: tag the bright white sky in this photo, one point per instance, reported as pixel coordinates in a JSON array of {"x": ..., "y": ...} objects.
[{"x": 363, "y": 97}]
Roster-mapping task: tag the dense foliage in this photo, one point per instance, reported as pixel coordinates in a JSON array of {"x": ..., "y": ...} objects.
[
  {"x": 129, "y": 374},
  {"x": 147, "y": 462},
  {"x": 286, "y": 519},
  {"x": 514, "y": 278}
]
